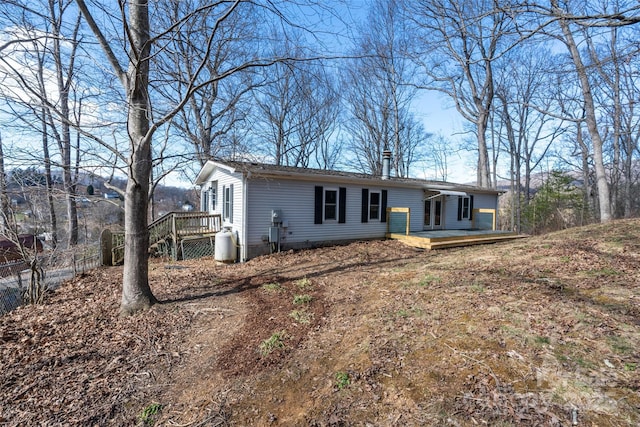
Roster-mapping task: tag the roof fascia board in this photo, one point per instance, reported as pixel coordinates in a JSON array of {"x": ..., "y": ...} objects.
[
  {"x": 208, "y": 169},
  {"x": 332, "y": 179},
  {"x": 368, "y": 181}
]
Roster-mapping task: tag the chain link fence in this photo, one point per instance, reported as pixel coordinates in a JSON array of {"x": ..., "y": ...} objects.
[{"x": 14, "y": 277}]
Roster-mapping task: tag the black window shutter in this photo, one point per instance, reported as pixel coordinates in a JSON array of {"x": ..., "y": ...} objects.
[
  {"x": 342, "y": 205},
  {"x": 459, "y": 208},
  {"x": 318, "y": 205},
  {"x": 471, "y": 207},
  {"x": 383, "y": 207},
  {"x": 364, "y": 214}
]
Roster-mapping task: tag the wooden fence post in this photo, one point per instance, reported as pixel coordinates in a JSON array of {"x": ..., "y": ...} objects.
[{"x": 106, "y": 244}]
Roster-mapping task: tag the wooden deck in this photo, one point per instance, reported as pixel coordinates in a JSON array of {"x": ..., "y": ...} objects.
[
  {"x": 439, "y": 239},
  {"x": 167, "y": 235}
]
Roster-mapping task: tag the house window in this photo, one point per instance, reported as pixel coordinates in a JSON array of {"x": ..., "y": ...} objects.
[
  {"x": 227, "y": 202},
  {"x": 213, "y": 195},
  {"x": 330, "y": 205},
  {"x": 465, "y": 207},
  {"x": 374, "y": 205},
  {"x": 204, "y": 201}
]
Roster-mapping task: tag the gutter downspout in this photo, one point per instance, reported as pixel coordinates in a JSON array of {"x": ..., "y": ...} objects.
[{"x": 245, "y": 218}]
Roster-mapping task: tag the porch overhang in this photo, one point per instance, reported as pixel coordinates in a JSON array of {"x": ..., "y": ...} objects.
[{"x": 445, "y": 193}]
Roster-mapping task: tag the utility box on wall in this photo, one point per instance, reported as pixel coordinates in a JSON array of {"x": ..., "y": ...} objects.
[{"x": 274, "y": 234}]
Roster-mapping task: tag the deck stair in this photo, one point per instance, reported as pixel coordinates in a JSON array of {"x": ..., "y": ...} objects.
[{"x": 166, "y": 235}]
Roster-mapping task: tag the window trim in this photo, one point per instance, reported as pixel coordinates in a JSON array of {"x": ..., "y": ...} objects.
[
  {"x": 465, "y": 207},
  {"x": 324, "y": 204},
  {"x": 204, "y": 201},
  {"x": 365, "y": 211},
  {"x": 213, "y": 195},
  {"x": 227, "y": 202},
  {"x": 379, "y": 205},
  {"x": 319, "y": 205},
  {"x": 465, "y": 212}
]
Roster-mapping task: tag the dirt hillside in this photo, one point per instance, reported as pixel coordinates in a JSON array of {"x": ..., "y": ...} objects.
[{"x": 540, "y": 331}]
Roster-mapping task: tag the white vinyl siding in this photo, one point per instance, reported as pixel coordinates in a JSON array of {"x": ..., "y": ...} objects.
[
  {"x": 295, "y": 199},
  {"x": 480, "y": 201},
  {"x": 231, "y": 185}
]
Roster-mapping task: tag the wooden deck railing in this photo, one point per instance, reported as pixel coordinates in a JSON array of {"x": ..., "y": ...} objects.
[{"x": 169, "y": 229}]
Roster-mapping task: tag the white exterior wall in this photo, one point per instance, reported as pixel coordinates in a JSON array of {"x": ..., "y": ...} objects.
[
  {"x": 296, "y": 202},
  {"x": 413, "y": 199},
  {"x": 480, "y": 201},
  {"x": 223, "y": 178}
]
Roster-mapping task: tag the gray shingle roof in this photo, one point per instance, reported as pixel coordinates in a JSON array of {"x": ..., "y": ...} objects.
[{"x": 265, "y": 169}]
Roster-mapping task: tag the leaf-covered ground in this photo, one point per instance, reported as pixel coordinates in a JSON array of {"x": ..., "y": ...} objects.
[{"x": 531, "y": 332}]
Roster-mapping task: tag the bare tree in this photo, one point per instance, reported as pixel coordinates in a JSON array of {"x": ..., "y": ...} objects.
[
  {"x": 614, "y": 60},
  {"x": 527, "y": 128},
  {"x": 44, "y": 73},
  {"x": 379, "y": 93},
  {"x": 210, "y": 117},
  {"x": 317, "y": 117},
  {"x": 277, "y": 103},
  {"x": 368, "y": 122},
  {"x": 4, "y": 196},
  {"x": 24, "y": 247},
  {"x": 438, "y": 156},
  {"x": 590, "y": 113},
  {"x": 569, "y": 22},
  {"x": 297, "y": 109},
  {"x": 460, "y": 42},
  {"x": 141, "y": 49}
]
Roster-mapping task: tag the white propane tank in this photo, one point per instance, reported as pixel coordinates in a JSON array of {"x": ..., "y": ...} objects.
[{"x": 225, "y": 248}]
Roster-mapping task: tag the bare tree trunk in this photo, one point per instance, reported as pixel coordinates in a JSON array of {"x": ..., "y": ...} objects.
[
  {"x": 591, "y": 120},
  {"x": 484, "y": 174},
  {"x": 136, "y": 292},
  {"x": 628, "y": 164},
  {"x": 4, "y": 197},
  {"x": 584, "y": 156},
  {"x": 516, "y": 188},
  {"x": 64, "y": 138},
  {"x": 53, "y": 222},
  {"x": 44, "y": 117},
  {"x": 614, "y": 82}
]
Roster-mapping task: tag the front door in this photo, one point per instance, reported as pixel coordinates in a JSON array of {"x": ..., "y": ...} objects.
[{"x": 433, "y": 213}]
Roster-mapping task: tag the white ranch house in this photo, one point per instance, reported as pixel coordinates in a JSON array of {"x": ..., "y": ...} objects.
[{"x": 271, "y": 208}]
